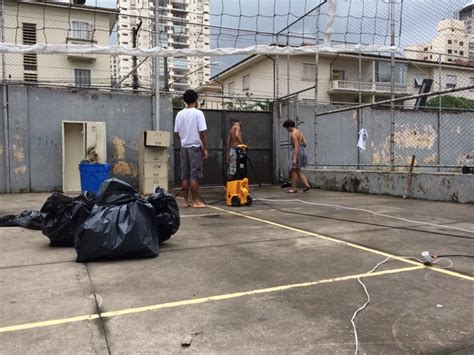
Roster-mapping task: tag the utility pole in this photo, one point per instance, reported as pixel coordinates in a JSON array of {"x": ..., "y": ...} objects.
[
  {"x": 156, "y": 121},
  {"x": 135, "y": 31}
]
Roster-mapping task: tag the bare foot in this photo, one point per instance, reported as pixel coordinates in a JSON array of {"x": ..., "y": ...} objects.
[
  {"x": 185, "y": 205},
  {"x": 199, "y": 205}
]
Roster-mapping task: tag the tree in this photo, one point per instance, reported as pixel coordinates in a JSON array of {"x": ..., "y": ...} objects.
[{"x": 449, "y": 101}]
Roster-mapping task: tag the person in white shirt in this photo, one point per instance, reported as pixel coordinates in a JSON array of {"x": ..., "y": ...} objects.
[{"x": 190, "y": 127}]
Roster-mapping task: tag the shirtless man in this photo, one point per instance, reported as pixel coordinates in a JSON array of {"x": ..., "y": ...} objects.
[
  {"x": 233, "y": 140},
  {"x": 299, "y": 159}
]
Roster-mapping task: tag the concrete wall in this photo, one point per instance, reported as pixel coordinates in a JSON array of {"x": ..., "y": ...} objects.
[
  {"x": 425, "y": 186},
  {"x": 333, "y": 141},
  {"x": 35, "y": 133}
]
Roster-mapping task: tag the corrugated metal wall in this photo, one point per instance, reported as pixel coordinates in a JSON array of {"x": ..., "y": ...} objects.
[{"x": 257, "y": 133}]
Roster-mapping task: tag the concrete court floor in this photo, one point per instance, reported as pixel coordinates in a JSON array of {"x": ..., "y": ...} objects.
[{"x": 250, "y": 280}]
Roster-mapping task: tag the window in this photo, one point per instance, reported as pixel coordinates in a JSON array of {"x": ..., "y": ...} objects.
[
  {"x": 30, "y": 60},
  {"x": 231, "y": 87},
  {"x": 450, "y": 42},
  {"x": 461, "y": 52},
  {"x": 450, "y": 51},
  {"x": 338, "y": 74},
  {"x": 307, "y": 72},
  {"x": 82, "y": 78},
  {"x": 461, "y": 43},
  {"x": 246, "y": 82},
  {"x": 471, "y": 82},
  {"x": 81, "y": 30},
  {"x": 30, "y": 77},
  {"x": 451, "y": 81},
  {"x": 29, "y": 33},
  {"x": 382, "y": 72}
]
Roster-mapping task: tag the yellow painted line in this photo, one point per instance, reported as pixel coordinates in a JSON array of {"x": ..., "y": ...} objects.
[
  {"x": 48, "y": 323},
  {"x": 352, "y": 245},
  {"x": 199, "y": 300}
]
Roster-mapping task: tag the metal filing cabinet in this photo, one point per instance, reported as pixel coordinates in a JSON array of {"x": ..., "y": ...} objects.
[{"x": 153, "y": 160}]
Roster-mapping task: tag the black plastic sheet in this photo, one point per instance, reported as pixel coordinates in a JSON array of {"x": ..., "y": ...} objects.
[
  {"x": 26, "y": 219},
  {"x": 166, "y": 213},
  {"x": 62, "y": 215},
  {"x": 121, "y": 226}
]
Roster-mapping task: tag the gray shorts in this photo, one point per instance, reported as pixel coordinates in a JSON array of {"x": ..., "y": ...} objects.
[{"x": 191, "y": 163}]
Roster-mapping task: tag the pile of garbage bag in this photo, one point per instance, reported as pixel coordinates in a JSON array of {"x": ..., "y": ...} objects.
[
  {"x": 62, "y": 215},
  {"x": 122, "y": 225},
  {"x": 166, "y": 213},
  {"x": 116, "y": 224},
  {"x": 26, "y": 219}
]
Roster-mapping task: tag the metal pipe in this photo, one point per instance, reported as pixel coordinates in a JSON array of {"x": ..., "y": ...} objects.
[
  {"x": 5, "y": 105},
  {"x": 403, "y": 98},
  {"x": 359, "y": 111},
  {"x": 156, "y": 121},
  {"x": 316, "y": 92},
  {"x": 439, "y": 112},
  {"x": 392, "y": 86},
  {"x": 130, "y": 72},
  {"x": 302, "y": 17}
]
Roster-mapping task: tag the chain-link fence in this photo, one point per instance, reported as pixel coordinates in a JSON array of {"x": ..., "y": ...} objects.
[{"x": 381, "y": 138}]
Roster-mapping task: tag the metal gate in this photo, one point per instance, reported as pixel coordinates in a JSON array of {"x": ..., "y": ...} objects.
[{"x": 257, "y": 133}]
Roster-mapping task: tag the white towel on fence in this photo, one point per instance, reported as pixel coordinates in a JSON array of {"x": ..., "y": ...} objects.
[{"x": 363, "y": 135}]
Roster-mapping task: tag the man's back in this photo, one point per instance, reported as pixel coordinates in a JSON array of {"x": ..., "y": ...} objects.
[
  {"x": 235, "y": 136},
  {"x": 189, "y": 122}
]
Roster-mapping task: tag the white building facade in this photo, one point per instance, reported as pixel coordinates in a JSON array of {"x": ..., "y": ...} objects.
[
  {"x": 182, "y": 24},
  {"x": 31, "y": 22},
  {"x": 339, "y": 80},
  {"x": 453, "y": 44}
]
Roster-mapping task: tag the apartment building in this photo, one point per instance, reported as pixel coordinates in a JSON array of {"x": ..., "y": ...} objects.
[
  {"x": 182, "y": 24},
  {"x": 466, "y": 14},
  {"x": 339, "y": 78},
  {"x": 452, "y": 43},
  {"x": 51, "y": 22}
]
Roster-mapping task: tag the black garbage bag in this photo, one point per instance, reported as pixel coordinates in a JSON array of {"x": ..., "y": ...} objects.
[
  {"x": 27, "y": 219},
  {"x": 62, "y": 215},
  {"x": 166, "y": 212},
  {"x": 121, "y": 226},
  {"x": 467, "y": 170}
]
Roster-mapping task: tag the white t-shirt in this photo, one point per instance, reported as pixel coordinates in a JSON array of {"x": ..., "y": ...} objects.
[{"x": 189, "y": 122}]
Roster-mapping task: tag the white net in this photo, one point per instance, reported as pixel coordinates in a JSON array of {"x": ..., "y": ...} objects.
[{"x": 108, "y": 44}]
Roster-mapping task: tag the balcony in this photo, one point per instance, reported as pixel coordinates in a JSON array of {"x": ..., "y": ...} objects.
[
  {"x": 178, "y": 4},
  {"x": 366, "y": 87}
]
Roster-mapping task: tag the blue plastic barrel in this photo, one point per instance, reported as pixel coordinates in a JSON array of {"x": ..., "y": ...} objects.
[{"x": 92, "y": 176}]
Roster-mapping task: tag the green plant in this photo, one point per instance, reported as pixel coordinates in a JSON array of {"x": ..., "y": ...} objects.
[{"x": 449, "y": 101}]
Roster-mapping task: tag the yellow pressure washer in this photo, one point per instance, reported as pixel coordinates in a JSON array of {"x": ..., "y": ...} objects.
[{"x": 237, "y": 187}]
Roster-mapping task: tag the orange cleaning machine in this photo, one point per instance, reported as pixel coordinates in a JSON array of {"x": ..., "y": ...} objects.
[{"x": 237, "y": 187}]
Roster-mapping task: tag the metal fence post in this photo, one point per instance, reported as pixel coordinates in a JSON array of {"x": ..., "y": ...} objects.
[
  {"x": 392, "y": 86},
  {"x": 5, "y": 104},
  {"x": 156, "y": 120},
  {"x": 439, "y": 115},
  {"x": 316, "y": 91}
]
